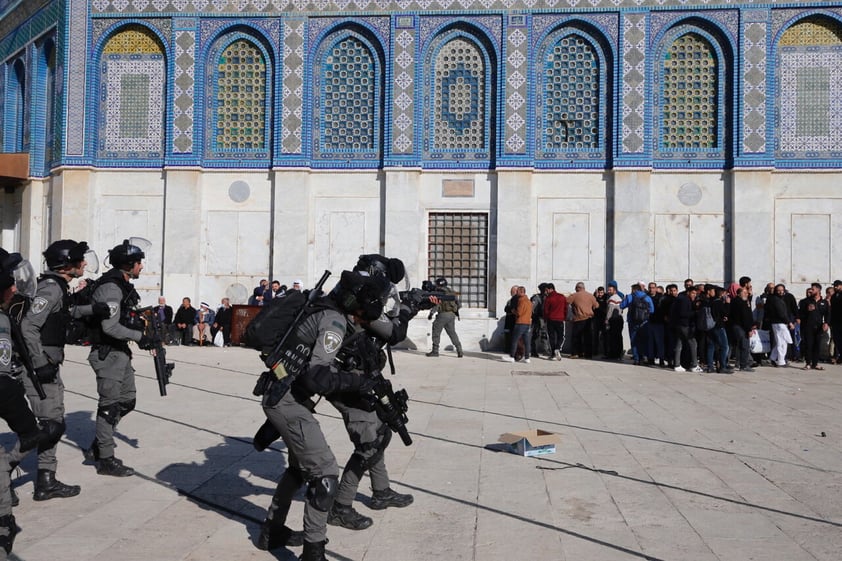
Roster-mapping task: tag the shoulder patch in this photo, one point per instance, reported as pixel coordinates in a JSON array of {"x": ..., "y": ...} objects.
[
  {"x": 39, "y": 304},
  {"x": 113, "y": 309},
  {"x": 332, "y": 341},
  {"x": 5, "y": 352}
]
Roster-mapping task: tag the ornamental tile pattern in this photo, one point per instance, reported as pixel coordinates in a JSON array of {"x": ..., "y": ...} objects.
[
  {"x": 240, "y": 83},
  {"x": 754, "y": 83},
  {"x": 634, "y": 83},
  {"x": 293, "y": 87},
  {"x": 403, "y": 68},
  {"x": 459, "y": 97},
  {"x": 516, "y": 86},
  {"x": 133, "y": 106},
  {"x": 77, "y": 67},
  {"x": 689, "y": 114},
  {"x": 184, "y": 92}
]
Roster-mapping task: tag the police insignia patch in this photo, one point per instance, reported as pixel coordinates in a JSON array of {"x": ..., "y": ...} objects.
[
  {"x": 332, "y": 341},
  {"x": 5, "y": 352},
  {"x": 39, "y": 305},
  {"x": 113, "y": 309}
]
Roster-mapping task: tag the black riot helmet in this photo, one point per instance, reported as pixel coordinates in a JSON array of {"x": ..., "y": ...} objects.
[
  {"x": 363, "y": 294},
  {"x": 441, "y": 281},
  {"x": 375, "y": 264},
  {"x": 64, "y": 253},
  {"x": 15, "y": 270},
  {"x": 125, "y": 254}
]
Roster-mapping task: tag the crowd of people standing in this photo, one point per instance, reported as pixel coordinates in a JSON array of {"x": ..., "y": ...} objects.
[{"x": 705, "y": 327}]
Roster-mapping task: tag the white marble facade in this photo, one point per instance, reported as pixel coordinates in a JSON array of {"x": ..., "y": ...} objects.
[{"x": 213, "y": 230}]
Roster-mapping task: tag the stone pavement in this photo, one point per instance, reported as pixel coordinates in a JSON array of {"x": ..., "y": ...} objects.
[{"x": 652, "y": 465}]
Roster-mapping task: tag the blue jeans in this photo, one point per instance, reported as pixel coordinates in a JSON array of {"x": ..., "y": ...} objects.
[
  {"x": 719, "y": 339},
  {"x": 521, "y": 330},
  {"x": 656, "y": 341},
  {"x": 638, "y": 333}
]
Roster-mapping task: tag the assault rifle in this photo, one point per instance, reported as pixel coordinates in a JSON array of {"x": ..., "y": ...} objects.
[
  {"x": 419, "y": 298},
  {"x": 153, "y": 329},
  {"x": 25, "y": 359},
  {"x": 364, "y": 353}
]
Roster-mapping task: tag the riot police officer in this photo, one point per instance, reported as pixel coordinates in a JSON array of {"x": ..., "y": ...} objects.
[
  {"x": 448, "y": 312},
  {"x": 13, "y": 407},
  {"x": 367, "y": 432},
  {"x": 110, "y": 356},
  {"x": 44, "y": 328},
  {"x": 315, "y": 343}
]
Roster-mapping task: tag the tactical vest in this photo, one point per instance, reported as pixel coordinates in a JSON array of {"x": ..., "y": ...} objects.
[
  {"x": 449, "y": 305},
  {"x": 54, "y": 330},
  {"x": 128, "y": 317}
]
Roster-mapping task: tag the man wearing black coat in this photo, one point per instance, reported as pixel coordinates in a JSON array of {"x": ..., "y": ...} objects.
[{"x": 741, "y": 321}]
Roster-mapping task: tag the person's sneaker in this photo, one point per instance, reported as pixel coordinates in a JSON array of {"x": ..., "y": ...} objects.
[
  {"x": 697, "y": 369},
  {"x": 389, "y": 497},
  {"x": 432, "y": 353},
  {"x": 347, "y": 517},
  {"x": 114, "y": 467},
  {"x": 680, "y": 369},
  {"x": 728, "y": 370},
  {"x": 526, "y": 360},
  {"x": 747, "y": 369},
  {"x": 557, "y": 355},
  {"x": 508, "y": 358}
]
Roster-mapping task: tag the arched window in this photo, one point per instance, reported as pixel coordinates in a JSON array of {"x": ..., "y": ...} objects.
[
  {"x": 571, "y": 110},
  {"x": 809, "y": 100},
  {"x": 240, "y": 100},
  {"x": 689, "y": 93},
  {"x": 132, "y": 79},
  {"x": 459, "y": 97},
  {"x": 347, "y": 100}
]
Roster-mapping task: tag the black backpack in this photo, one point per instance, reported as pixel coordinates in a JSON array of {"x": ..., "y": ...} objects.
[
  {"x": 274, "y": 319},
  {"x": 639, "y": 309}
]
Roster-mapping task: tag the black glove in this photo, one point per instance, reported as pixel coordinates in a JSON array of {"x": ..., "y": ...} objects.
[
  {"x": 147, "y": 343},
  {"x": 101, "y": 310},
  {"x": 366, "y": 383},
  {"x": 47, "y": 374}
]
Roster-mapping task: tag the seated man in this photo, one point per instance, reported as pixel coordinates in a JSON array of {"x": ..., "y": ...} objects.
[{"x": 183, "y": 323}]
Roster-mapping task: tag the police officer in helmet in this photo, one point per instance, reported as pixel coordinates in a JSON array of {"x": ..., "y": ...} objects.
[
  {"x": 13, "y": 406},
  {"x": 110, "y": 356},
  {"x": 318, "y": 338},
  {"x": 367, "y": 432},
  {"x": 44, "y": 328}
]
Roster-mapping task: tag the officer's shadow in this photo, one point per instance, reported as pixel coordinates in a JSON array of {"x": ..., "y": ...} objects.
[
  {"x": 235, "y": 481},
  {"x": 81, "y": 429}
]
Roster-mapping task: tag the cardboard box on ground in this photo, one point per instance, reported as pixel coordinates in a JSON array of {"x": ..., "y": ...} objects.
[{"x": 532, "y": 442}]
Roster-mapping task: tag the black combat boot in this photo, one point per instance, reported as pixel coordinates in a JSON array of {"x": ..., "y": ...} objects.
[
  {"x": 347, "y": 517},
  {"x": 48, "y": 487},
  {"x": 9, "y": 529},
  {"x": 460, "y": 354},
  {"x": 113, "y": 466},
  {"x": 274, "y": 538},
  {"x": 388, "y": 497},
  {"x": 434, "y": 352},
  {"x": 313, "y": 551}
]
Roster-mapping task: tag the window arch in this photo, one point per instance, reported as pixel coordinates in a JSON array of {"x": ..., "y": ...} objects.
[
  {"x": 571, "y": 81},
  {"x": 689, "y": 118},
  {"x": 348, "y": 97},
  {"x": 459, "y": 100},
  {"x": 239, "y": 98},
  {"x": 809, "y": 94},
  {"x": 18, "y": 106},
  {"x": 132, "y": 84}
]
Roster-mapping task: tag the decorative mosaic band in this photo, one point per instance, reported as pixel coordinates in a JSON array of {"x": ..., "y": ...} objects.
[
  {"x": 293, "y": 86},
  {"x": 516, "y": 84},
  {"x": 634, "y": 82},
  {"x": 77, "y": 68},
  {"x": 184, "y": 89},
  {"x": 403, "y": 69},
  {"x": 754, "y": 87},
  {"x": 279, "y": 6}
]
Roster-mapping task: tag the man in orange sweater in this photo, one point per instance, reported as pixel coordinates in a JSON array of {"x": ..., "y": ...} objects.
[{"x": 523, "y": 323}]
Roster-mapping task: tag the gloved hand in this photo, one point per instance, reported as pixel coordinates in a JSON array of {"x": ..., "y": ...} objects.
[
  {"x": 147, "y": 343},
  {"x": 367, "y": 383},
  {"x": 47, "y": 374},
  {"x": 101, "y": 310}
]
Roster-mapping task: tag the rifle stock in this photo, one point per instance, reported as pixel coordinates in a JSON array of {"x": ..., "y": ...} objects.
[{"x": 163, "y": 369}]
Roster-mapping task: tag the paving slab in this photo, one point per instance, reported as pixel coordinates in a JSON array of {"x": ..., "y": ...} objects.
[{"x": 651, "y": 464}]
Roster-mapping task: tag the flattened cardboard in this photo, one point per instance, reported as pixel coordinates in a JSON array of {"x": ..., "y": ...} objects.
[{"x": 532, "y": 442}]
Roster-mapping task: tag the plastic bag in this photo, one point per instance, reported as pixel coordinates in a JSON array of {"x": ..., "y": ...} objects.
[
  {"x": 218, "y": 339},
  {"x": 760, "y": 342}
]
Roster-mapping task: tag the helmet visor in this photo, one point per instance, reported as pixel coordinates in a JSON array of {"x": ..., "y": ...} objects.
[
  {"x": 92, "y": 262},
  {"x": 25, "y": 279}
]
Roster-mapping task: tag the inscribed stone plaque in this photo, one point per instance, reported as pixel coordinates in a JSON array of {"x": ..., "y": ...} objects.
[{"x": 457, "y": 188}]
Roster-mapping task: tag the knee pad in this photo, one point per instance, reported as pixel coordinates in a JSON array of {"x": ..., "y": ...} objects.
[
  {"x": 321, "y": 491},
  {"x": 111, "y": 413},
  {"x": 53, "y": 431},
  {"x": 127, "y": 407}
]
